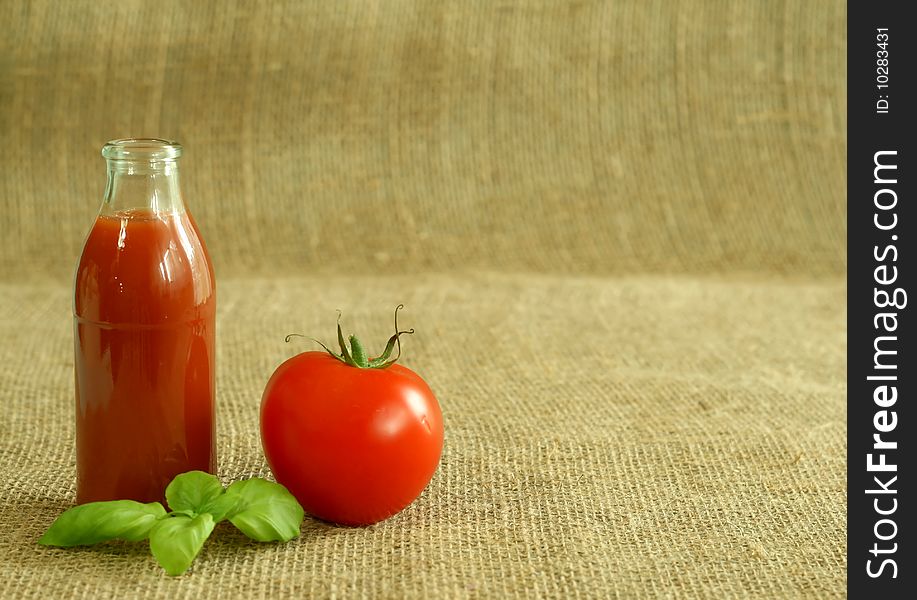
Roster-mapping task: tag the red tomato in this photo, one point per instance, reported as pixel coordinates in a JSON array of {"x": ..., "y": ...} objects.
[{"x": 354, "y": 445}]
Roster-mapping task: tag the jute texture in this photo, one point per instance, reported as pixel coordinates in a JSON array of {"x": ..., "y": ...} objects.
[{"x": 619, "y": 229}]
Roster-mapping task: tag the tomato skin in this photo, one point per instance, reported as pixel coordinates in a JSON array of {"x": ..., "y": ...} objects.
[{"x": 355, "y": 446}]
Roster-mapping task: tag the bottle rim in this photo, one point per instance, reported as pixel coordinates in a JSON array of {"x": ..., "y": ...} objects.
[{"x": 142, "y": 149}]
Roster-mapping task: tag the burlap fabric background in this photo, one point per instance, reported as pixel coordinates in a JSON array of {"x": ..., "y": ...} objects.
[{"x": 618, "y": 227}]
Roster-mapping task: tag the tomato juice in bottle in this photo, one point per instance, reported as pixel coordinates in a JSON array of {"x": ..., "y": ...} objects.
[{"x": 144, "y": 325}]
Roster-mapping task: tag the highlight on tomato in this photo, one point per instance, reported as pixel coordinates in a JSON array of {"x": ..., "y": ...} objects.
[{"x": 355, "y": 439}]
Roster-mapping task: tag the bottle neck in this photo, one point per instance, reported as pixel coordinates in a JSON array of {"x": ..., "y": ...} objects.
[{"x": 135, "y": 185}]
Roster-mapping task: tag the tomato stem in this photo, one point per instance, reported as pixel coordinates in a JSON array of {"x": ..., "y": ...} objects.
[{"x": 355, "y": 355}]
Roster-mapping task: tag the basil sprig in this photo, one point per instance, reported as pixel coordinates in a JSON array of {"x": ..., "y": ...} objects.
[{"x": 262, "y": 510}]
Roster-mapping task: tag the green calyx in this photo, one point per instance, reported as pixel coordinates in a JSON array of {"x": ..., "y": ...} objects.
[{"x": 355, "y": 355}]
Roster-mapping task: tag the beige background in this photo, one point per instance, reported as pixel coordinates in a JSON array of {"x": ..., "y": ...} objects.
[{"x": 619, "y": 228}]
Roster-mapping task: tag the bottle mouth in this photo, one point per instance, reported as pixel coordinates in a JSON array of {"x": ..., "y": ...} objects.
[{"x": 142, "y": 150}]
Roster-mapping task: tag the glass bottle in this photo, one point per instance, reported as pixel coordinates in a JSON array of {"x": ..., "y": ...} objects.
[{"x": 144, "y": 325}]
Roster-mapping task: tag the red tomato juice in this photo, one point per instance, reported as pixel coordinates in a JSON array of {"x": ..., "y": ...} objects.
[{"x": 144, "y": 325}]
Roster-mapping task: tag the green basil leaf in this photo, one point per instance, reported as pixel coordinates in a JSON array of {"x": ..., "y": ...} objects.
[
  {"x": 193, "y": 491},
  {"x": 221, "y": 507},
  {"x": 266, "y": 511},
  {"x": 175, "y": 541},
  {"x": 101, "y": 521}
]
